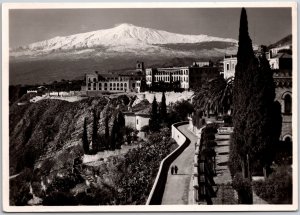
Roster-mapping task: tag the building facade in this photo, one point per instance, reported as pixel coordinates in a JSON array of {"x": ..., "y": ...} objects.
[
  {"x": 283, "y": 90},
  {"x": 168, "y": 75},
  {"x": 136, "y": 120},
  {"x": 229, "y": 64},
  {"x": 112, "y": 83},
  {"x": 124, "y": 81}
]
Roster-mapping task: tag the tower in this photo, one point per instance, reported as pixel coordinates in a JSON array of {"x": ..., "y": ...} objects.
[{"x": 140, "y": 66}]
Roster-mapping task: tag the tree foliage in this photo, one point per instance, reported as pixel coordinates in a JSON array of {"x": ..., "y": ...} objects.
[
  {"x": 85, "y": 141},
  {"x": 95, "y": 136},
  {"x": 154, "y": 117},
  {"x": 214, "y": 96},
  {"x": 163, "y": 107}
]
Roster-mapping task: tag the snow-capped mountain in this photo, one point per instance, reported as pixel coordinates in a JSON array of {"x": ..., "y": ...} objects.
[
  {"x": 116, "y": 48},
  {"x": 115, "y": 38}
]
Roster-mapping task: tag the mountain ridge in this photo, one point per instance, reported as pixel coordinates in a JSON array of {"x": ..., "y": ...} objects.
[{"x": 122, "y": 35}]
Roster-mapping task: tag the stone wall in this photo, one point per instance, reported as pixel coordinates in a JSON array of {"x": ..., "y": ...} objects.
[{"x": 157, "y": 191}]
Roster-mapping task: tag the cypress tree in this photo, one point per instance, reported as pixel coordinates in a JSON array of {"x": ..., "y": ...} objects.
[
  {"x": 246, "y": 66},
  {"x": 85, "y": 141},
  {"x": 106, "y": 135},
  {"x": 113, "y": 136},
  {"x": 261, "y": 129},
  {"x": 163, "y": 107},
  {"x": 95, "y": 133},
  {"x": 143, "y": 85},
  {"x": 154, "y": 121},
  {"x": 120, "y": 129}
]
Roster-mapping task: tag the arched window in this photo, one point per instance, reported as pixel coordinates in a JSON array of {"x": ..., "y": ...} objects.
[
  {"x": 288, "y": 104},
  {"x": 288, "y": 139}
]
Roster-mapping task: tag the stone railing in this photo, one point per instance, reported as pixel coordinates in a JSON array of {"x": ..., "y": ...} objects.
[
  {"x": 198, "y": 174},
  {"x": 157, "y": 191}
]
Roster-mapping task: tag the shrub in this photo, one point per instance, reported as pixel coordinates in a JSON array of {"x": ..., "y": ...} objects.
[
  {"x": 277, "y": 188},
  {"x": 227, "y": 120},
  {"x": 244, "y": 188},
  {"x": 59, "y": 199}
]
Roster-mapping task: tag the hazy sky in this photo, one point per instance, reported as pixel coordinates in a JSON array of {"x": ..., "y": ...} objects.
[{"x": 266, "y": 25}]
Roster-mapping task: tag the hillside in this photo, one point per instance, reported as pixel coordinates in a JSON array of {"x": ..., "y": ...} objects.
[
  {"x": 45, "y": 144},
  {"x": 284, "y": 41},
  {"x": 41, "y": 133}
]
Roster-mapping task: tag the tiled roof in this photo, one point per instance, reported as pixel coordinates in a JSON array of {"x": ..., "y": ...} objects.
[{"x": 282, "y": 55}]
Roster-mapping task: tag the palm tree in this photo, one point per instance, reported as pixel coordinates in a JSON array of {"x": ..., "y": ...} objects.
[{"x": 215, "y": 96}]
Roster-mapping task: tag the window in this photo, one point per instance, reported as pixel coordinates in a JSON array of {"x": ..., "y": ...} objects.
[
  {"x": 227, "y": 66},
  {"x": 288, "y": 139},
  {"x": 94, "y": 79},
  {"x": 133, "y": 85},
  {"x": 137, "y": 121},
  {"x": 125, "y": 85},
  {"x": 287, "y": 104}
]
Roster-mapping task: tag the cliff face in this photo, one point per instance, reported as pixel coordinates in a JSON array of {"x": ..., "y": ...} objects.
[{"x": 47, "y": 134}]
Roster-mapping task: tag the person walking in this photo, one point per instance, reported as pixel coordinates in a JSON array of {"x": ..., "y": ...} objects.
[
  {"x": 176, "y": 169},
  {"x": 172, "y": 170}
]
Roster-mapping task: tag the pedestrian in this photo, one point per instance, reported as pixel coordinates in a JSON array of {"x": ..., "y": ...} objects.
[
  {"x": 176, "y": 169},
  {"x": 172, "y": 170}
]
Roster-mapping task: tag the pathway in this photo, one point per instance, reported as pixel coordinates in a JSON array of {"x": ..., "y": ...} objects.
[
  {"x": 178, "y": 188},
  {"x": 225, "y": 193}
]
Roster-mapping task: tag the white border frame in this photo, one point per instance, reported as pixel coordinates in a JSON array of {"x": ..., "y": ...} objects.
[{"x": 177, "y": 208}]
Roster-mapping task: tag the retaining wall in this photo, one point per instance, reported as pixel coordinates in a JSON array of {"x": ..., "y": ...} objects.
[{"x": 157, "y": 191}]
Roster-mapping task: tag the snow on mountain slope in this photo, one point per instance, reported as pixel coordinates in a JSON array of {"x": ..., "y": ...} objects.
[{"x": 121, "y": 35}]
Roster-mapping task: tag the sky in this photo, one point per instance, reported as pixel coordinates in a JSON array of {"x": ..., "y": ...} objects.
[{"x": 266, "y": 25}]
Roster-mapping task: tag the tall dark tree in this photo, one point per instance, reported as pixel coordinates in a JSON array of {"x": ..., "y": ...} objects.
[
  {"x": 261, "y": 131},
  {"x": 253, "y": 109},
  {"x": 246, "y": 67},
  {"x": 154, "y": 119},
  {"x": 143, "y": 87},
  {"x": 163, "y": 108},
  {"x": 113, "y": 135},
  {"x": 106, "y": 135},
  {"x": 95, "y": 139},
  {"x": 120, "y": 129},
  {"x": 85, "y": 141}
]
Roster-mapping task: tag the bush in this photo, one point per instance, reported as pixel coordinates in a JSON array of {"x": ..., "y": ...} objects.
[
  {"x": 244, "y": 189},
  {"x": 227, "y": 120},
  {"x": 59, "y": 199},
  {"x": 277, "y": 188}
]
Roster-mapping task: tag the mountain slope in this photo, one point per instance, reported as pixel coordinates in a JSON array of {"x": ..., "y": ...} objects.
[
  {"x": 122, "y": 35},
  {"x": 110, "y": 49},
  {"x": 284, "y": 41}
]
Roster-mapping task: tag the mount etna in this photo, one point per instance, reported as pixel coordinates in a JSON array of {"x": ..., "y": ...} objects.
[{"x": 117, "y": 48}]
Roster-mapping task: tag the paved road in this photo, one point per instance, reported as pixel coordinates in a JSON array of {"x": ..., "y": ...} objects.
[{"x": 178, "y": 188}]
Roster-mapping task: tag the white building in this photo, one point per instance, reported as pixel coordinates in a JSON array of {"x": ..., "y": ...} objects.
[
  {"x": 136, "y": 120},
  {"x": 229, "y": 64},
  {"x": 112, "y": 82},
  {"x": 168, "y": 75}
]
